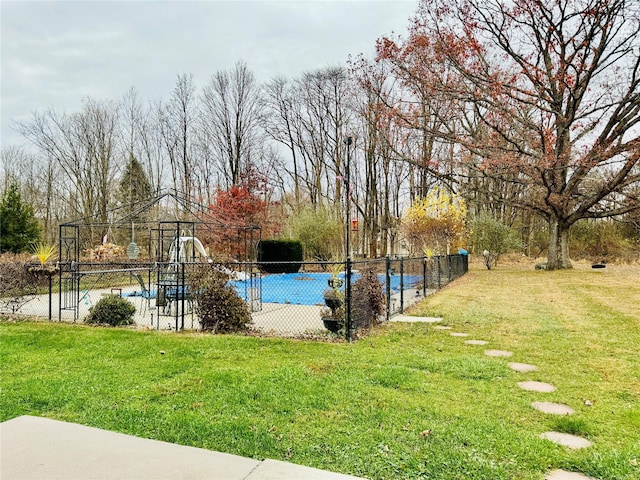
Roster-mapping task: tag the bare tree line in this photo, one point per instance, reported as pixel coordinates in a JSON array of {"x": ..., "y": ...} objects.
[
  {"x": 518, "y": 140},
  {"x": 201, "y": 141}
]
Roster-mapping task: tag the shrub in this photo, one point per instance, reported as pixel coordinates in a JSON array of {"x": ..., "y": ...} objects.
[
  {"x": 218, "y": 306},
  {"x": 367, "y": 300},
  {"x": 437, "y": 221},
  {"x": 19, "y": 227},
  {"x": 111, "y": 310},
  {"x": 319, "y": 231},
  {"x": 17, "y": 284},
  {"x": 490, "y": 234},
  {"x": 15, "y": 278},
  {"x": 289, "y": 252},
  {"x": 599, "y": 240}
]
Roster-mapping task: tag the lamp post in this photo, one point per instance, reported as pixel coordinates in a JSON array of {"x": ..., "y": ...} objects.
[
  {"x": 347, "y": 314},
  {"x": 347, "y": 184}
]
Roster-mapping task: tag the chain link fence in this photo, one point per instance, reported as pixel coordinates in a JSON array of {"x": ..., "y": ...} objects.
[{"x": 306, "y": 300}]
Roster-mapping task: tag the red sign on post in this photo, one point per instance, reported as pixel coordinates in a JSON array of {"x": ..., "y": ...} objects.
[{"x": 354, "y": 225}]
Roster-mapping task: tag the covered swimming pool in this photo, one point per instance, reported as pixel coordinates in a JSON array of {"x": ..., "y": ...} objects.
[{"x": 308, "y": 288}]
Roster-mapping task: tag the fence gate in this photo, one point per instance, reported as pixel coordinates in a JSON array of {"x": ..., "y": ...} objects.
[{"x": 68, "y": 261}]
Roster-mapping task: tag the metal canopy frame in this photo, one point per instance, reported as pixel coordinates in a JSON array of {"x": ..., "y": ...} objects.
[{"x": 159, "y": 221}]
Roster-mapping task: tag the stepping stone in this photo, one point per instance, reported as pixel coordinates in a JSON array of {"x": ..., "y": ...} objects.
[
  {"x": 498, "y": 353},
  {"x": 411, "y": 319},
  {"x": 459, "y": 334},
  {"x": 442, "y": 327},
  {"x": 537, "y": 387},
  {"x": 476, "y": 342},
  {"x": 564, "y": 475},
  {"x": 522, "y": 367},
  {"x": 554, "y": 408},
  {"x": 566, "y": 440}
]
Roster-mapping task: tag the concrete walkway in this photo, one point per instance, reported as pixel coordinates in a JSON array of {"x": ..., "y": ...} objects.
[{"x": 34, "y": 448}]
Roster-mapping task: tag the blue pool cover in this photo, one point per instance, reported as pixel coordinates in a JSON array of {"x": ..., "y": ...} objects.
[
  {"x": 307, "y": 288},
  {"x": 298, "y": 288}
]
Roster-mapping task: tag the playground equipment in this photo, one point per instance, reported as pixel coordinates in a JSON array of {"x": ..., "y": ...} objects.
[
  {"x": 189, "y": 249},
  {"x": 172, "y": 284}
]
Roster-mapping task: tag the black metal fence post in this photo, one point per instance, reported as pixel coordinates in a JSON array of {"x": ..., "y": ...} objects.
[
  {"x": 182, "y": 296},
  {"x": 424, "y": 276},
  {"x": 401, "y": 285},
  {"x": 388, "y": 285},
  {"x": 50, "y": 289},
  {"x": 347, "y": 298}
]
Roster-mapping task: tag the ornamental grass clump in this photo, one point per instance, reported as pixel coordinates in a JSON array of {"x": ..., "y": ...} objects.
[
  {"x": 44, "y": 252},
  {"x": 111, "y": 310}
]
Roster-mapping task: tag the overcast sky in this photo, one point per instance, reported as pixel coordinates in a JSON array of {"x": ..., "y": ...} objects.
[{"x": 54, "y": 53}]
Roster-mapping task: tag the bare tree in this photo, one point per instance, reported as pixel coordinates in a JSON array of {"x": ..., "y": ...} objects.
[
  {"x": 132, "y": 121},
  {"x": 279, "y": 102},
  {"x": 231, "y": 117},
  {"x": 152, "y": 146},
  {"x": 83, "y": 146},
  {"x": 323, "y": 122},
  {"x": 379, "y": 173},
  {"x": 177, "y": 120}
]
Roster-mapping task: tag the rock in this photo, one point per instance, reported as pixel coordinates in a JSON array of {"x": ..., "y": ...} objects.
[
  {"x": 553, "y": 408},
  {"x": 498, "y": 353},
  {"x": 522, "y": 367},
  {"x": 537, "y": 387},
  {"x": 476, "y": 342},
  {"x": 570, "y": 441},
  {"x": 564, "y": 475}
]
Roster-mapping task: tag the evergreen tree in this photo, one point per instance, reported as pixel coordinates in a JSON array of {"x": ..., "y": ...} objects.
[
  {"x": 134, "y": 185},
  {"x": 19, "y": 228}
]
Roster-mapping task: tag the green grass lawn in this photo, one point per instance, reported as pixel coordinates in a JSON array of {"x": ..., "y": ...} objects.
[{"x": 409, "y": 401}]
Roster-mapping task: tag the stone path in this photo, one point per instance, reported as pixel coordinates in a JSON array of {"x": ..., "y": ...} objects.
[
  {"x": 537, "y": 387},
  {"x": 564, "y": 439},
  {"x": 570, "y": 441},
  {"x": 553, "y": 408},
  {"x": 498, "y": 353},
  {"x": 522, "y": 367},
  {"x": 564, "y": 475},
  {"x": 476, "y": 342}
]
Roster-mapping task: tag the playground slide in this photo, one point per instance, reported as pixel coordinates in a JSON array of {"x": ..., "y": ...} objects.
[{"x": 180, "y": 246}]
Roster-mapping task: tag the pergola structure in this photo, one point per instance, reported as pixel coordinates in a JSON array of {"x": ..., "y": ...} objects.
[{"x": 158, "y": 239}]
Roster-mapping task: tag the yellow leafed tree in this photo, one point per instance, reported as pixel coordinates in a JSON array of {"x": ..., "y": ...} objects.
[{"x": 435, "y": 223}]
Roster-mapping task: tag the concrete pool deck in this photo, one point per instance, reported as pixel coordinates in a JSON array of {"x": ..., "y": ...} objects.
[
  {"x": 35, "y": 448},
  {"x": 278, "y": 319}
]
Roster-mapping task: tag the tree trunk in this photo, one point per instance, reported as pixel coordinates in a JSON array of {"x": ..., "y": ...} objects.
[{"x": 558, "y": 258}]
